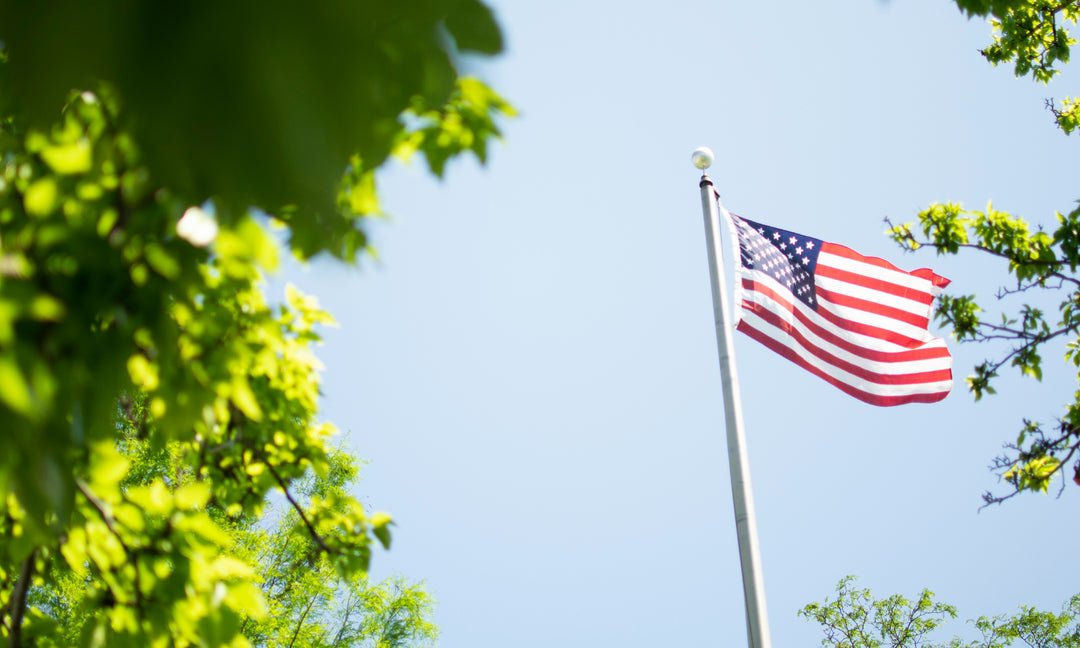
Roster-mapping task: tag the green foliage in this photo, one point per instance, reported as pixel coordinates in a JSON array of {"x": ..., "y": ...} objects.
[
  {"x": 1068, "y": 116},
  {"x": 153, "y": 556},
  {"x": 155, "y": 404},
  {"x": 1032, "y": 627},
  {"x": 855, "y": 619},
  {"x": 1036, "y": 260},
  {"x": 251, "y": 105},
  {"x": 1032, "y": 34}
]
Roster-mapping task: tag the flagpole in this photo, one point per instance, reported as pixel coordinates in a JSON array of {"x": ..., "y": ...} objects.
[{"x": 757, "y": 620}]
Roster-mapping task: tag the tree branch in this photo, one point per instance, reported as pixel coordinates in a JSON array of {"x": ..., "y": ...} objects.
[
  {"x": 1019, "y": 262},
  {"x": 315, "y": 535},
  {"x": 1005, "y": 292},
  {"x": 18, "y": 599},
  {"x": 300, "y": 623},
  {"x": 110, "y": 523}
]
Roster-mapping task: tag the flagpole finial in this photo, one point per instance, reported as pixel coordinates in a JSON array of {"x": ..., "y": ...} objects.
[{"x": 702, "y": 157}]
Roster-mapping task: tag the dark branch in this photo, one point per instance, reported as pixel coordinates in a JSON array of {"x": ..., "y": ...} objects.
[
  {"x": 110, "y": 523},
  {"x": 315, "y": 535},
  {"x": 1020, "y": 287},
  {"x": 18, "y": 599}
]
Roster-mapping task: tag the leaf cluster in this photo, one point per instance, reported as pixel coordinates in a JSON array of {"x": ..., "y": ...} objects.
[
  {"x": 1034, "y": 36},
  {"x": 856, "y": 619}
]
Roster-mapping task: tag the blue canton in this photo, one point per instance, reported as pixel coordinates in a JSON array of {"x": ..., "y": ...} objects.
[{"x": 787, "y": 257}]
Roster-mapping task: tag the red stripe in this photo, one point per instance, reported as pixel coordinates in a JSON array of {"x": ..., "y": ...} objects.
[
  {"x": 866, "y": 397},
  {"x": 839, "y": 322},
  {"x": 907, "y": 292},
  {"x": 848, "y": 253},
  {"x": 868, "y": 306},
  {"x": 918, "y": 378},
  {"x": 877, "y": 355},
  {"x": 929, "y": 275}
]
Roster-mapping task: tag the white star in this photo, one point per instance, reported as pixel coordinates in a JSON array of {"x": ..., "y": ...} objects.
[
  {"x": 776, "y": 236},
  {"x": 792, "y": 240},
  {"x": 809, "y": 245},
  {"x": 798, "y": 250}
]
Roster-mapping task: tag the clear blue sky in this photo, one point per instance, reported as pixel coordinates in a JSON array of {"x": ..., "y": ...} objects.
[{"x": 530, "y": 365}]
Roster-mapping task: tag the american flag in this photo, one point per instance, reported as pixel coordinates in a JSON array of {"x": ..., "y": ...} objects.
[{"x": 858, "y": 322}]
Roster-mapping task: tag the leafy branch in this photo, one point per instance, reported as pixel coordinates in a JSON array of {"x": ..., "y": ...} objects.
[{"x": 1036, "y": 259}]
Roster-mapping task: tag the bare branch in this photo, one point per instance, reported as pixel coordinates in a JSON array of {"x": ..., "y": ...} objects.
[{"x": 1003, "y": 292}]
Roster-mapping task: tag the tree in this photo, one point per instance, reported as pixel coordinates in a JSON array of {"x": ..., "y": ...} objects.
[
  {"x": 305, "y": 601},
  {"x": 135, "y": 140},
  {"x": 1034, "y": 36},
  {"x": 855, "y": 619}
]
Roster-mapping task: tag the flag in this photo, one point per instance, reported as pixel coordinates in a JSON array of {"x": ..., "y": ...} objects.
[{"x": 858, "y": 322}]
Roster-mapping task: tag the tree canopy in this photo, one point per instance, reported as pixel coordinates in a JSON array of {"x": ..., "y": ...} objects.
[
  {"x": 1032, "y": 35},
  {"x": 147, "y": 154},
  {"x": 856, "y": 619}
]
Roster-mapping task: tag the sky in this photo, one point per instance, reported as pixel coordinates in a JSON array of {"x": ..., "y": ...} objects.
[{"x": 529, "y": 366}]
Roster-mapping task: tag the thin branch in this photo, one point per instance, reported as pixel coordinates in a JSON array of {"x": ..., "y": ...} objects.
[
  {"x": 110, "y": 523},
  {"x": 1005, "y": 292},
  {"x": 1051, "y": 446},
  {"x": 300, "y": 623},
  {"x": 315, "y": 535},
  {"x": 1018, "y": 262},
  {"x": 18, "y": 599},
  {"x": 1033, "y": 341}
]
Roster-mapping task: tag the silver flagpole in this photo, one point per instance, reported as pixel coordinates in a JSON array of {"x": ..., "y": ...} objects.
[{"x": 757, "y": 620}]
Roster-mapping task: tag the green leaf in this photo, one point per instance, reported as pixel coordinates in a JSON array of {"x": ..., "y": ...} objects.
[
  {"x": 380, "y": 526},
  {"x": 473, "y": 27},
  {"x": 161, "y": 261},
  {"x": 14, "y": 389},
  {"x": 70, "y": 158},
  {"x": 41, "y": 197}
]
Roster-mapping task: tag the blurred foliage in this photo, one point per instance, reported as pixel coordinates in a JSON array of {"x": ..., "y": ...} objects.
[
  {"x": 855, "y": 619},
  {"x": 1042, "y": 263},
  {"x": 146, "y": 150},
  {"x": 251, "y": 105}
]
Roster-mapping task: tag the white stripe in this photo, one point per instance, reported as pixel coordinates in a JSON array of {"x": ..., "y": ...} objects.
[
  {"x": 873, "y": 319},
  {"x": 873, "y": 295},
  {"x": 877, "y": 272},
  {"x": 736, "y": 252},
  {"x": 841, "y": 375},
  {"x": 851, "y": 314},
  {"x": 877, "y": 366}
]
